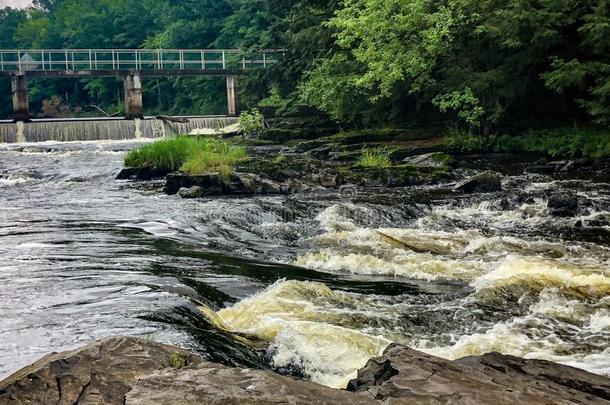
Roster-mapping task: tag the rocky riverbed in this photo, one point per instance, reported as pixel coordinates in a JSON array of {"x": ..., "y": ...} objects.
[{"x": 453, "y": 257}]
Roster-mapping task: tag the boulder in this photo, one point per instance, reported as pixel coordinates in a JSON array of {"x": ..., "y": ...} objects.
[
  {"x": 191, "y": 192},
  {"x": 563, "y": 204},
  {"x": 100, "y": 373},
  {"x": 485, "y": 182},
  {"x": 403, "y": 375}
]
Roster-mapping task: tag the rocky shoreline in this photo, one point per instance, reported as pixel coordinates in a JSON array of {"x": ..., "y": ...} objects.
[{"x": 126, "y": 370}]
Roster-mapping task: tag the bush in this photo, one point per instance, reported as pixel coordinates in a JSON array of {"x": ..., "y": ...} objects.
[
  {"x": 564, "y": 142},
  {"x": 375, "y": 157},
  {"x": 193, "y": 155},
  {"x": 250, "y": 121}
]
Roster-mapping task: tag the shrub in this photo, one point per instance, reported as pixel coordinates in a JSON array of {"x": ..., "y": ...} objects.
[
  {"x": 250, "y": 121},
  {"x": 374, "y": 157},
  {"x": 193, "y": 155}
]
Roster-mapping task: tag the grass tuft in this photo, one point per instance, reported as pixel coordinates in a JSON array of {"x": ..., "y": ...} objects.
[
  {"x": 374, "y": 157},
  {"x": 193, "y": 155}
]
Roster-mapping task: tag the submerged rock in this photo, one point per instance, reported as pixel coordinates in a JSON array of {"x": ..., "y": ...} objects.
[
  {"x": 563, "y": 205},
  {"x": 414, "y": 377},
  {"x": 485, "y": 182},
  {"x": 191, "y": 192}
]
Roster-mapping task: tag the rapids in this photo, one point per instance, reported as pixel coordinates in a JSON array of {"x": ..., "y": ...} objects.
[{"x": 310, "y": 284}]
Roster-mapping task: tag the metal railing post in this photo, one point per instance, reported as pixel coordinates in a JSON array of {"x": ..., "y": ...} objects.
[
  {"x": 202, "y": 60},
  {"x": 90, "y": 60},
  {"x": 264, "y": 59},
  {"x": 224, "y": 62},
  {"x": 113, "y": 60},
  {"x": 19, "y": 59},
  {"x": 1, "y": 61},
  {"x": 66, "y": 59}
]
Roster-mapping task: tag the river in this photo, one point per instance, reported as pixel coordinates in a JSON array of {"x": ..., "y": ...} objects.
[{"x": 311, "y": 284}]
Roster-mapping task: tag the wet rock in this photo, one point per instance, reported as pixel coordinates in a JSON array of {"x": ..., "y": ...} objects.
[
  {"x": 435, "y": 159},
  {"x": 211, "y": 184},
  {"x": 563, "y": 205},
  {"x": 325, "y": 180},
  {"x": 140, "y": 173},
  {"x": 599, "y": 220},
  {"x": 403, "y": 375},
  {"x": 191, "y": 192},
  {"x": 101, "y": 373},
  {"x": 485, "y": 182}
]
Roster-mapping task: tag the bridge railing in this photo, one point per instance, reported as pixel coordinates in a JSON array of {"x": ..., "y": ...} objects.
[{"x": 22, "y": 61}]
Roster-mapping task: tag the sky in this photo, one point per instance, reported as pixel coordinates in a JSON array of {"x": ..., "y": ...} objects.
[{"x": 15, "y": 3}]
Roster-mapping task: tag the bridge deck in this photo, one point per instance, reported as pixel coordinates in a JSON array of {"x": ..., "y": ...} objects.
[{"x": 121, "y": 62}]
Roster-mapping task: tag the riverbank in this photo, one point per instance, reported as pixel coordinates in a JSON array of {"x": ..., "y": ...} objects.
[{"x": 134, "y": 371}]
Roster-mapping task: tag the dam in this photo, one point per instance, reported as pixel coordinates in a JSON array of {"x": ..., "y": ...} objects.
[{"x": 98, "y": 129}]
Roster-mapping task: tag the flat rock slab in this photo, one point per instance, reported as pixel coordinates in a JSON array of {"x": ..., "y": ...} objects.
[
  {"x": 100, "y": 373},
  {"x": 139, "y": 372},
  {"x": 403, "y": 375}
]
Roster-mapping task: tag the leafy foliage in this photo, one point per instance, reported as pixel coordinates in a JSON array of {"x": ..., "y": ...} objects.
[{"x": 250, "y": 121}]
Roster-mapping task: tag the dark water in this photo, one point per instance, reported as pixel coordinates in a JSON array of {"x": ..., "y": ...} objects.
[{"x": 310, "y": 283}]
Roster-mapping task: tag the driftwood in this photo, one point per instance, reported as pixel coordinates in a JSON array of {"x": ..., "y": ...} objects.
[
  {"x": 166, "y": 118},
  {"x": 104, "y": 112}
]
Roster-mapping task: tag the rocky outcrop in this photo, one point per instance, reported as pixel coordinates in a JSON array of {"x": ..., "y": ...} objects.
[
  {"x": 485, "y": 182},
  {"x": 101, "y": 373},
  {"x": 563, "y": 205},
  {"x": 136, "y": 371},
  {"x": 414, "y": 377}
]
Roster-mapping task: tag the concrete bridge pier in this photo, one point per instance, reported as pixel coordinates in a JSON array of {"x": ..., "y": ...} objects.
[
  {"x": 233, "y": 96},
  {"x": 134, "y": 105},
  {"x": 19, "y": 88}
]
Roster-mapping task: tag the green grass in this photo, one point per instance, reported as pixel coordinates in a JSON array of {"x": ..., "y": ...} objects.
[
  {"x": 192, "y": 155},
  {"x": 374, "y": 157},
  {"x": 560, "y": 142}
]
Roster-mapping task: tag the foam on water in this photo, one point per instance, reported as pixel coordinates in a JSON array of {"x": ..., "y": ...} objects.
[{"x": 309, "y": 326}]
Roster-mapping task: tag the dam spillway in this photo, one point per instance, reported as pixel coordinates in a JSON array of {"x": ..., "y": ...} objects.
[{"x": 106, "y": 129}]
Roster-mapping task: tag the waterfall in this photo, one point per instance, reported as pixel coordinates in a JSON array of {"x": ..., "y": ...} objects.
[{"x": 94, "y": 130}]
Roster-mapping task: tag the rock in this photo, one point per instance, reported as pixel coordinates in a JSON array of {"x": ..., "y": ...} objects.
[
  {"x": 210, "y": 184},
  {"x": 600, "y": 220},
  {"x": 140, "y": 173},
  {"x": 403, "y": 375},
  {"x": 434, "y": 159},
  {"x": 100, "y": 373},
  {"x": 485, "y": 182},
  {"x": 209, "y": 383},
  {"x": 325, "y": 180},
  {"x": 136, "y": 371},
  {"x": 563, "y": 205},
  {"x": 191, "y": 192}
]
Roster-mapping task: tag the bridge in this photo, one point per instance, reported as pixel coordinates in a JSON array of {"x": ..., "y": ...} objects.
[{"x": 132, "y": 65}]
